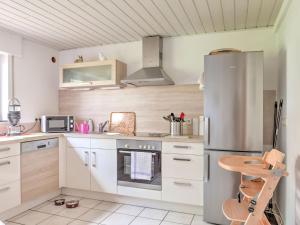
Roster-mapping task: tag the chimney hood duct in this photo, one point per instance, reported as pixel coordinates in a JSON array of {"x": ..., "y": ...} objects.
[{"x": 152, "y": 73}]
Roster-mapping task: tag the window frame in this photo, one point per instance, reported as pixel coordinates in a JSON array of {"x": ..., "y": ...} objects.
[{"x": 9, "y": 83}]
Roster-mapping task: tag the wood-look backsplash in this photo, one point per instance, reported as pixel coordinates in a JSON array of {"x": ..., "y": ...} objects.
[{"x": 149, "y": 104}]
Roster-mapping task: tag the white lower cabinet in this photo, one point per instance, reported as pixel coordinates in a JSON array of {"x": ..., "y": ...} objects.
[
  {"x": 9, "y": 169},
  {"x": 10, "y": 184},
  {"x": 182, "y": 191},
  {"x": 104, "y": 170},
  {"x": 90, "y": 168},
  {"x": 10, "y": 195},
  {"x": 182, "y": 173},
  {"x": 78, "y": 168}
]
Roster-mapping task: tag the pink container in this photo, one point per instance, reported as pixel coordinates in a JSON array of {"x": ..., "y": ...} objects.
[{"x": 83, "y": 127}]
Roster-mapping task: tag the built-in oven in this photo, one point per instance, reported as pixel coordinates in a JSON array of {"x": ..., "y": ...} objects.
[
  {"x": 57, "y": 124},
  {"x": 126, "y": 151}
]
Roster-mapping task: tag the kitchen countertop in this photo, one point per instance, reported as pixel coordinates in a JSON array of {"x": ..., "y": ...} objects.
[
  {"x": 186, "y": 139},
  {"x": 27, "y": 137},
  {"x": 39, "y": 136}
]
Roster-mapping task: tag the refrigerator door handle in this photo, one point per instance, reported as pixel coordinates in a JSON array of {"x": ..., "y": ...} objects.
[
  {"x": 207, "y": 130},
  {"x": 206, "y": 167}
]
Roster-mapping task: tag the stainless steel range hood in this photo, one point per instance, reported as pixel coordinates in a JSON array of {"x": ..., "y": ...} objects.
[{"x": 152, "y": 73}]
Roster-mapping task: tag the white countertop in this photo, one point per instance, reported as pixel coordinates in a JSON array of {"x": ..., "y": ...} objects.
[
  {"x": 187, "y": 139},
  {"x": 38, "y": 136},
  {"x": 27, "y": 137}
]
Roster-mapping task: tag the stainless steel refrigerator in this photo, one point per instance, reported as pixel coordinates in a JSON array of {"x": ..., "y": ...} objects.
[{"x": 233, "y": 110}]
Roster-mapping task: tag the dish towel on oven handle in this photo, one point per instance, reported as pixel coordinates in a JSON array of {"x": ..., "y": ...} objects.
[{"x": 141, "y": 165}]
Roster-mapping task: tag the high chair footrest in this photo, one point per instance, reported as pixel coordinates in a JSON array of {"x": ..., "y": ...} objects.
[{"x": 235, "y": 211}]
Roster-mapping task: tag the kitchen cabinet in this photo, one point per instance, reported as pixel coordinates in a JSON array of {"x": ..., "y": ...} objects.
[
  {"x": 10, "y": 184},
  {"x": 78, "y": 168},
  {"x": 104, "y": 170},
  {"x": 92, "y": 74},
  {"x": 182, "y": 191},
  {"x": 182, "y": 172},
  {"x": 10, "y": 195},
  {"x": 94, "y": 161}
]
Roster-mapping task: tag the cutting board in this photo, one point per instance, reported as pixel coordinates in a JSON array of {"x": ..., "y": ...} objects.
[{"x": 122, "y": 122}]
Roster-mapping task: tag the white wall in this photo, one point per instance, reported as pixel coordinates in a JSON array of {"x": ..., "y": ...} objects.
[
  {"x": 36, "y": 81},
  {"x": 183, "y": 56},
  {"x": 289, "y": 55},
  {"x": 10, "y": 43}
]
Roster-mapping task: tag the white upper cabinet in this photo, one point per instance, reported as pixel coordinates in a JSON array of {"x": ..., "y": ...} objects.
[{"x": 92, "y": 74}]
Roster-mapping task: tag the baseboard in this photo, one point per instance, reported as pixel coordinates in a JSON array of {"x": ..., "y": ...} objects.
[
  {"x": 28, "y": 205},
  {"x": 158, "y": 204}
]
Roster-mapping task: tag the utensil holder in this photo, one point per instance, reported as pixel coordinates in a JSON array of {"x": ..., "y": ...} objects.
[{"x": 175, "y": 128}]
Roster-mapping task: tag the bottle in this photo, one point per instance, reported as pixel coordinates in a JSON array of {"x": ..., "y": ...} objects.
[{"x": 91, "y": 125}]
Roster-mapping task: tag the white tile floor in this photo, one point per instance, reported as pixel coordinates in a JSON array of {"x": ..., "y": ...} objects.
[{"x": 95, "y": 212}]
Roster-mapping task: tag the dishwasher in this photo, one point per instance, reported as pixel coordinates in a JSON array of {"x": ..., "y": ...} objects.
[{"x": 39, "y": 168}]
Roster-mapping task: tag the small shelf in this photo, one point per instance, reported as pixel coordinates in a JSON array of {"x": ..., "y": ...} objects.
[
  {"x": 250, "y": 188},
  {"x": 235, "y": 211}
]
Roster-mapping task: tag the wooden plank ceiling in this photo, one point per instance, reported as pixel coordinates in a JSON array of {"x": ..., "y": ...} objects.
[{"x": 67, "y": 24}]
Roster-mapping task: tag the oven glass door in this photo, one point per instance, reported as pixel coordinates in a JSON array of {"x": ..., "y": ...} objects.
[
  {"x": 124, "y": 170},
  {"x": 58, "y": 124}
]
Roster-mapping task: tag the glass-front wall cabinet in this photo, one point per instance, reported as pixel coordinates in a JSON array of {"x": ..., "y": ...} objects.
[{"x": 92, "y": 74}]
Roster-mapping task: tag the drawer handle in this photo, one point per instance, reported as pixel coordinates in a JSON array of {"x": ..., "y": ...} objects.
[
  {"x": 182, "y": 146},
  {"x": 4, "y": 189},
  {"x": 4, "y": 149},
  {"x": 181, "y": 159},
  {"x": 182, "y": 183},
  {"x": 4, "y": 163}
]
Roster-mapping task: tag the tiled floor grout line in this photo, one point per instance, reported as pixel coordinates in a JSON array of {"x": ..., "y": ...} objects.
[{"x": 110, "y": 213}]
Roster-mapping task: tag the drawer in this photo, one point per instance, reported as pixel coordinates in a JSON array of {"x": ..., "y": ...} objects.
[
  {"x": 182, "y": 191},
  {"x": 9, "y": 150},
  {"x": 183, "y": 148},
  {"x": 9, "y": 169},
  {"x": 103, "y": 143},
  {"x": 10, "y": 196},
  {"x": 182, "y": 166},
  {"x": 79, "y": 142}
]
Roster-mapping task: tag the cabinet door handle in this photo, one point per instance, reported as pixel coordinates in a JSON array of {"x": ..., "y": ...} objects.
[
  {"x": 4, "y": 163},
  {"x": 182, "y": 159},
  {"x": 86, "y": 158},
  {"x": 182, "y": 146},
  {"x": 94, "y": 161},
  {"x": 4, "y": 149},
  {"x": 4, "y": 189},
  {"x": 182, "y": 183}
]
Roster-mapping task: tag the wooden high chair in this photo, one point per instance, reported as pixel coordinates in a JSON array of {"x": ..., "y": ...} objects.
[{"x": 257, "y": 192}]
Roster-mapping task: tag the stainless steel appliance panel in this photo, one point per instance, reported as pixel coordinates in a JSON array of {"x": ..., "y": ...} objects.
[
  {"x": 125, "y": 147},
  {"x": 219, "y": 185},
  {"x": 233, "y": 105}
]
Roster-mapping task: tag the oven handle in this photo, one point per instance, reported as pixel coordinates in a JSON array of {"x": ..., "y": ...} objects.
[{"x": 133, "y": 151}]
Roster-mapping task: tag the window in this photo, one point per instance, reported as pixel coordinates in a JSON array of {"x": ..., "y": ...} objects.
[{"x": 4, "y": 84}]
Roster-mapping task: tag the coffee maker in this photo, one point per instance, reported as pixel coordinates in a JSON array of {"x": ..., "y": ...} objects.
[{"x": 14, "y": 116}]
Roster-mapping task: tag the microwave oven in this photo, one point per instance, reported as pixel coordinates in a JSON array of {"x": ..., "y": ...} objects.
[{"x": 57, "y": 124}]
